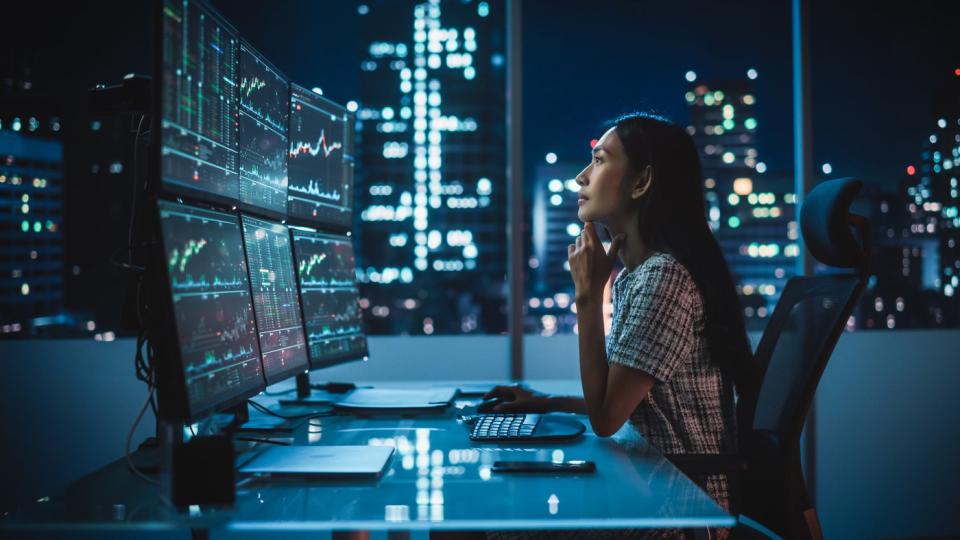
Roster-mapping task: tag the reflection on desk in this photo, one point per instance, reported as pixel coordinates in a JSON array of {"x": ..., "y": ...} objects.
[{"x": 438, "y": 479}]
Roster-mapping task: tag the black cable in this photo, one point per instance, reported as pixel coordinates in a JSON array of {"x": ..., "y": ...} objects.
[
  {"x": 136, "y": 189},
  {"x": 267, "y": 411},
  {"x": 255, "y": 440}
]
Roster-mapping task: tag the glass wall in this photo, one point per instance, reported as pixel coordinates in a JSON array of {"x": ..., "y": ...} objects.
[
  {"x": 720, "y": 70},
  {"x": 886, "y": 108}
]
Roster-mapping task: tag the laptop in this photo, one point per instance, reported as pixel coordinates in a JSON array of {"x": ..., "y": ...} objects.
[
  {"x": 388, "y": 399},
  {"x": 314, "y": 462}
]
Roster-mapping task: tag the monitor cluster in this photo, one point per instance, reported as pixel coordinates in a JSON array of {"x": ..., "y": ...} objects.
[{"x": 255, "y": 207}]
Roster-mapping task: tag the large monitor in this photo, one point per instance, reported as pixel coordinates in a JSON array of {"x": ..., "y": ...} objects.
[
  {"x": 198, "y": 103},
  {"x": 275, "y": 300},
  {"x": 264, "y": 109},
  {"x": 329, "y": 296},
  {"x": 212, "y": 360},
  {"x": 321, "y": 161}
]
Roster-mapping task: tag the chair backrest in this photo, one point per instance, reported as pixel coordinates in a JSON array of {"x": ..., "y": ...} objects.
[
  {"x": 797, "y": 343},
  {"x": 811, "y": 314}
]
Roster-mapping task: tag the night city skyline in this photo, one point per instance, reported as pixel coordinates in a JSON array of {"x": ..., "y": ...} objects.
[{"x": 871, "y": 117}]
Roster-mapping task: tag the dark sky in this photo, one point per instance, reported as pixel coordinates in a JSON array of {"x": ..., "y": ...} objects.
[{"x": 875, "y": 67}]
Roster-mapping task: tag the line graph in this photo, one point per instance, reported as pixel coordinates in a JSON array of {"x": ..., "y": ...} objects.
[
  {"x": 207, "y": 275},
  {"x": 250, "y": 85},
  {"x": 320, "y": 167},
  {"x": 305, "y": 147}
]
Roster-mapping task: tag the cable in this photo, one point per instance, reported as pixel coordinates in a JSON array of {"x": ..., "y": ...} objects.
[
  {"x": 263, "y": 409},
  {"x": 136, "y": 186},
  {"x": 255, "y": 440},
  {"x": 133, "y": 468}
]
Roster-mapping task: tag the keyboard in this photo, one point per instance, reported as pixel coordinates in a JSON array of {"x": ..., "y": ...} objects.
[{"x": 504, "y": 427}]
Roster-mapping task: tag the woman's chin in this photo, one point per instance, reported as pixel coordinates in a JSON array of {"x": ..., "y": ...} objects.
[{"x": 585, "y": 216}]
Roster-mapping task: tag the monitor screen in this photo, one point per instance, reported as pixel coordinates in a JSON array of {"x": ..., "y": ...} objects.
[
  {"x": 264, "y": 109},
  {"x": 331, "y": 302},
  {"x": 198, "y": 103},
  {"x": 321, "y": 161},
  {"x": 275, "y": 300},
  {"x": 207, "y": 276}
]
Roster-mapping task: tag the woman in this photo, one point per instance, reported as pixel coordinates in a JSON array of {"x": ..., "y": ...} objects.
[{"x": 677, "y": 343}]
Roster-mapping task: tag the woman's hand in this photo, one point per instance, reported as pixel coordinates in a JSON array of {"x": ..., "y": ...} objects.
[
  {"x": 590, "y": 264},
  {"x": 518, "y": 399}
]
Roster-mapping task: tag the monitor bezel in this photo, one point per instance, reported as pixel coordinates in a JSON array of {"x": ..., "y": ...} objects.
[
  {"x": 348, "y": 134},
  {"x": 345, "y": 359},
  {"x": 158, "y": 189},
  {"x": 289, "y": 372},
  {"x": 173, "y": 395},
  {"x": 241, "y": 205}
]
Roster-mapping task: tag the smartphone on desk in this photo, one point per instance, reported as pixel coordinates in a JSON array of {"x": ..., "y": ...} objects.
[{"x": 571, "y": 466}]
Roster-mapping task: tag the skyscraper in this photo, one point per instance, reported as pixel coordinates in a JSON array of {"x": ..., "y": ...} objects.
[
  {"x": 750, "y": 210},
  {"x": 918, "y": 233},
  {"x": 430, "y": 183},
  {"x": 31, "y": 200},
  {"x": 554, "y": 225},
  {"x": 939, "y": 172}
]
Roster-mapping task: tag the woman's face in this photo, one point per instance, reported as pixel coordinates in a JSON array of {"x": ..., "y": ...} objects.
[{"x": 602, "y": 197}]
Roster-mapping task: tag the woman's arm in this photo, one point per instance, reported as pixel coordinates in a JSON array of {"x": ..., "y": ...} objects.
[{"x": 611, "y": 392}]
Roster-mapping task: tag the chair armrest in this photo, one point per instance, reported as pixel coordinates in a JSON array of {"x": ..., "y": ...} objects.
[{"x": 703, "y": 464}]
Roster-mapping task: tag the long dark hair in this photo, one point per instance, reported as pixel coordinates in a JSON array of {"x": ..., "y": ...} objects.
[{"x": 673, "y": 220}]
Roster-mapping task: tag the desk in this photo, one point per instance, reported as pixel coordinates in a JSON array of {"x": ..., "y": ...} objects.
[{"x": 437, "y": 480}]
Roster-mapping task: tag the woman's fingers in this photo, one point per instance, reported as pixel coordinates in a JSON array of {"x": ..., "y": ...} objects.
[
  {"x": 501, "y": 391},
  {"x": 590, "y": 234},
  {"x": 506, "y": 391}
]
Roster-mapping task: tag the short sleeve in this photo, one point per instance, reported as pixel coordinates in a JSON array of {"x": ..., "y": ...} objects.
[{"x": 657, "y": 313}]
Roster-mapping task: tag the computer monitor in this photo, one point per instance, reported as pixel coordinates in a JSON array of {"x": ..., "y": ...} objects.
[
  {"x": 210, "y": 357},
  {"x": 264, "y": 109},
  {"x": 329, "y": 298},
  {"x": 320, "y": 192},
  {"x": 276, "y": 303},
  {"x": 198, "y": 102}
]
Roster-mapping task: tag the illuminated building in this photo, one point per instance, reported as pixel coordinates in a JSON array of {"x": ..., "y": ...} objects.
[
  {"x": 917, "y": 263},
  {"x": 31, "y": 199},
  {"x": 939, "y": 173},
  {"x": 430, "y": 214},
  {"x": 750, "y": 209},
  {"x": 554, "y": 226}
]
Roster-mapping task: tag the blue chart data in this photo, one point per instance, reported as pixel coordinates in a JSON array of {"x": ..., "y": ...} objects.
[
  {"x": 264, "y": 104},
  {"x": 199, "y": 102},
  {"x": 211, "y": 303},
  {"x": 331, "y": 308},
  {"x": 275, "y": 300},
  {"x": 321, "y": 161}
]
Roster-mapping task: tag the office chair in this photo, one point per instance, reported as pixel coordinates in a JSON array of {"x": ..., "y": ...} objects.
[{"x": 766, "y": 478}]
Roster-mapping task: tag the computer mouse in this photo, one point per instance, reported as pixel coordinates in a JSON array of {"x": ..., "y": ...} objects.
[{"x": 488, "y": 405}]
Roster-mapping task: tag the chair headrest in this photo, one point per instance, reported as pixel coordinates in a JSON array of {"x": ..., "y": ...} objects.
[{"x": 825, "y": 223}]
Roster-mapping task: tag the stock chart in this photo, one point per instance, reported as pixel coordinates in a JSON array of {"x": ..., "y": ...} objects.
[
  {"x": 331, "y": 309},
  {"x": 275, "y": 300},
  {"x": 211, "y": 304},
  {"x": 264, "y": 104},
  {"x": 199, "y": 103},
  {"x": 321, "y": 162}
]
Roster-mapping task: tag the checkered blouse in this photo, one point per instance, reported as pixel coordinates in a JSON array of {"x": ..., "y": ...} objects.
[{"x": 658, "y": 327}]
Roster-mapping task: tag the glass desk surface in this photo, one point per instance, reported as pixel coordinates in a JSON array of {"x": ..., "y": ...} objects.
[{"x": 437, "y": 479}]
